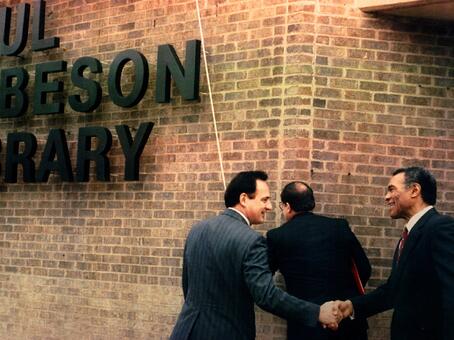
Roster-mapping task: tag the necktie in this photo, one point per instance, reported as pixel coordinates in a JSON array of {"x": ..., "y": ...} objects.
[{"x": 403, "y": 239}]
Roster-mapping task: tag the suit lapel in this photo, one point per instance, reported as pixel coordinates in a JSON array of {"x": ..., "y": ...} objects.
[{"x": 413, "y": 239}]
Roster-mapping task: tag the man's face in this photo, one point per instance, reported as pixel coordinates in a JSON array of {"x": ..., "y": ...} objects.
[
  {"x": 255, "y": 208},
  {"x": 398, "y": 197}
]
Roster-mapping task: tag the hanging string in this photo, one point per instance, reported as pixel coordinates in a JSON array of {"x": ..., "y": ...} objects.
[{"x": 209, "y": 93}]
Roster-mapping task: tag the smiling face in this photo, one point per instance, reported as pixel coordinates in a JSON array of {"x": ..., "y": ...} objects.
[
  {"x": 255, "y": 208},
  {"x": 400, "y": 198}
]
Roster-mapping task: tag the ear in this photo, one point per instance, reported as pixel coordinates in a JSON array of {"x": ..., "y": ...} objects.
[
  {"x": 243, "y": 199},
  {"x": 415, "y": 190},
  {"x": 285, "y": 206}
]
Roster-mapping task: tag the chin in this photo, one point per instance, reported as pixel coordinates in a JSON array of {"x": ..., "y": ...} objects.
[
  {"x": 394, "y": 215},
  {"x": 392, "y": 212}
]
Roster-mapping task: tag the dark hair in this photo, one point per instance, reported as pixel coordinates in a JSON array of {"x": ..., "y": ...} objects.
[
  {"x": 243, "y": 182},
  {"x": 299, "y": 195},
  {"x": 424, "y": 178}
]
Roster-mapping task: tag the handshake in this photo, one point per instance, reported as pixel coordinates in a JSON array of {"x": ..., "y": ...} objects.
[{"x": 333, "y": 312}]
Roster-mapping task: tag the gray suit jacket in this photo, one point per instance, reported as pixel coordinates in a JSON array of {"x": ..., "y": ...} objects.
[{"x": 225, "y": 270}]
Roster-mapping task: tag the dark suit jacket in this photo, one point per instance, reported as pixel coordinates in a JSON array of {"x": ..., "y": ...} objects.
[
  {"x": 314, "y": 254},
  {"x": 225, "y": 269},
  {"x": 421, "y": 286}
]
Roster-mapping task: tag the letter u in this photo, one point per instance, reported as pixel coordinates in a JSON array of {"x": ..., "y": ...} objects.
[{"x": 23, "y": 16}]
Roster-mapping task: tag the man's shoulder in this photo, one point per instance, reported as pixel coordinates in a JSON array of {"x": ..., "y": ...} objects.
[
  {"x": 440, "y": 221},
  {"x": 433, "y": 218},
  {"x": 227, "y": 214},
  {"x": 227, "y": 223},
  {"x": 205, "y": 222},
  {"x": 439, "y": 216},
  {"x": 440, "y": 230},
  {"x": 320, "y": 219},
  {"x": 312, "y": 221},
  {"x": 274, "y": 232}
]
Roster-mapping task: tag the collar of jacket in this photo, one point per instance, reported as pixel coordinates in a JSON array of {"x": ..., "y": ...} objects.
[
  {"x": 302, "y": 215},
  {"x": 235, "y": 215}
]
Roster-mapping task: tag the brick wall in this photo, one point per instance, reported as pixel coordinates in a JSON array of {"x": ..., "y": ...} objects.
[{"x": 312, "y": 90}]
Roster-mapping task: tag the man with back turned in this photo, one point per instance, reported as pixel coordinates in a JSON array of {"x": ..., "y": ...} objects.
[
  {"x": 225, "y": 270},
  {"x": 315, "y": 253}
]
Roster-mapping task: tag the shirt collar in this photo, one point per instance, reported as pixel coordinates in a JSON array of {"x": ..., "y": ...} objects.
[
  {"x": 241, "y": 214},
  {"x": 415, "y": 218}
]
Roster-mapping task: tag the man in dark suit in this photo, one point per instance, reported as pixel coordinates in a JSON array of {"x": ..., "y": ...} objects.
[
  {"x": 420, "y": 287},
  {"x": 314, "y": 254},
  {"x": 225, "y": 270}
]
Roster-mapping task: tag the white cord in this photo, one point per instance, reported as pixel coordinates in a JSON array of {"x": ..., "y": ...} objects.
[{"x": 209, "y": 92}]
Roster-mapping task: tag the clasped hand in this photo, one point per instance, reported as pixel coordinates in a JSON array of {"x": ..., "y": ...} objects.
[{"x": 333, "y": 312}]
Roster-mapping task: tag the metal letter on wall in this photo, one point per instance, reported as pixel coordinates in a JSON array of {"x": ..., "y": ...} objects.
[
  {"x": 8, "y": 92},
  {"x": 23, "y": 17},
  {"x": 56, "y": 146},
  {"x": 132, "y": 149},
  {"x": 39, "y": 20},
  {"x": 186, "y": 80},
  {"x": 14, "y": 158},
  {"x": 85, "y": 154},
  {"x": 141, "y": 78},
  {"x": 92, "y": 87},
  {"x": 42, "y": 87}
]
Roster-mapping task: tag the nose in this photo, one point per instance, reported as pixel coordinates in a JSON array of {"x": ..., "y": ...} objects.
[
  {"x": 387, "y": 196},
  {"x": 268, "y": 206}
]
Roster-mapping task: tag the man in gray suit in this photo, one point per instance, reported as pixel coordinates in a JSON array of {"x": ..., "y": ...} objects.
[{"x": 225, "y": 270}]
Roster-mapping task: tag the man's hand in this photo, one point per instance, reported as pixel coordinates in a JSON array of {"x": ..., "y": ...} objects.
[
  {"x": 346, "y": 308},
  {"x": 330, "y": 315}
]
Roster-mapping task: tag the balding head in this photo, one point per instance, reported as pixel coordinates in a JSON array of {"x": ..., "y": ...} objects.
[{"x": 299, "y": 197}]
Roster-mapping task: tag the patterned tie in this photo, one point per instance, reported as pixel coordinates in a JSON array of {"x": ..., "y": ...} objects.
[{"x": 403, "y": 239}]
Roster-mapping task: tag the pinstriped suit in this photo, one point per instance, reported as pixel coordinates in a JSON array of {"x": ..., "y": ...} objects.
[{"x": 225, "y": 270}]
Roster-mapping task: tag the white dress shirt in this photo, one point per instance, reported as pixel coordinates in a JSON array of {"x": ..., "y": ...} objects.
[
  {"x": 241, "y": 214},
  {"x": 415, "y": 218}
]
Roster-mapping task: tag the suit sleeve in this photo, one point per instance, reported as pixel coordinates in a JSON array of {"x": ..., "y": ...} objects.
[
  {"x": 185, "y": 274},
  {"x": 272, "y": 255},
  {"x": 443, "y": 258},
  {"x": 359, "y": 256},
  {"x": 374, "y": 302},
  {"x": 266, "y": 295},
  {"x": 377, "y": 301}
]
